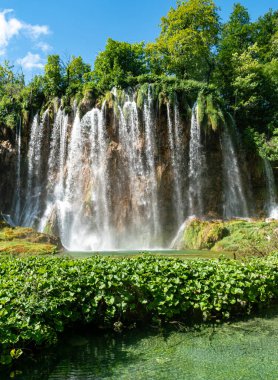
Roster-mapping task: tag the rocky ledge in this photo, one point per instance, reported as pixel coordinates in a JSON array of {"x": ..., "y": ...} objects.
[{"x": 23, "y": 241}]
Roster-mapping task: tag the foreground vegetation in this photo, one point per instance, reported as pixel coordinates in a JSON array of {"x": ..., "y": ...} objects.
[{"x": 42, "y": 296}]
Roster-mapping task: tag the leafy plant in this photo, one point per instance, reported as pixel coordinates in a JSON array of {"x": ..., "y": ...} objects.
[{"x": 41, "y": 296}]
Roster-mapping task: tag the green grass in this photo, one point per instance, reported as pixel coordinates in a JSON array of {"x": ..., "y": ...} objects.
[
  {"x": 23, "y": 241},
  {"x": 25, "y": 248}
]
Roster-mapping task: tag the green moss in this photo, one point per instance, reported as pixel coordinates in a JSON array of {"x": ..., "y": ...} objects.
[
  {"x": 254, "y": 237},
  {"x": 22, "y": 241},
  {"x": 203, "y": 235},
  {"x": 23, "y": 248}
]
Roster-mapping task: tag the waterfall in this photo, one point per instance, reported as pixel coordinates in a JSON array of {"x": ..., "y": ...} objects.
[
  {"x": 235, "y": 204},
  {"x": 130, "y": 140},
  {"x": 102, "y": 236},
  {"x": 56, "y": 163},
  {"x": 175, "y": 152},
  {"x": 34, "y": 175},
  {"x": 115, "y": 177},
  {"x": 178, "y": 239},
  {"x": 151, "y": 187},
  {"x": 271, "y": 201},
  {"x": 70, "y": 207},
  {"x": 197, "y": 167},
  {"x": 17, "y": 199}
]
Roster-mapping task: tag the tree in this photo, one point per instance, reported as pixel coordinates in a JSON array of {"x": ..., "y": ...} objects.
[
  {"x": 236, "y": 37},
  {"x": 75, "y": 75},
  {"x": 266, "y": 35},
  {"x": 117, "y": 63},
  {"x": 188, "y": 37},
  {"x": 11, "y": 85},
  {"x": 53, "y": 77}
]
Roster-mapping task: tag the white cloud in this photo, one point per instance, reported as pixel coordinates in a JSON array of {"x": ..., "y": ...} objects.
[
  {"x": 31, "y": 61},
  {"x": 44, "y": 46},
  {"x": 36, "y": 31},
  {"x": 11, "y": 27}
]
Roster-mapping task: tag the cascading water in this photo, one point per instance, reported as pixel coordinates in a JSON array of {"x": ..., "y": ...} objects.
[
  {"x": 17, "y": 198},
  {"x": 151, "y": 187},
  {"x": 235, "y": 203},
  {"x": 34, "y": 180},
  {"x": 130, "y": 140},
  {"x": 56, "y": 163},
  {"x": 175, "y": 151},
  {"x": 70, "y": 208},
  {"x": 271, "y": 204},
  {"x": 197, "y": 167},
  {"x": 101, "y": 234},
  {"x": 116, "y": 178}
]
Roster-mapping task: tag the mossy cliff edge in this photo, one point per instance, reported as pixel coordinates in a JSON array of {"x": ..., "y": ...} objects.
[
  {"x": 249, "y": 236},
  {"x": 23, "y": 241}
]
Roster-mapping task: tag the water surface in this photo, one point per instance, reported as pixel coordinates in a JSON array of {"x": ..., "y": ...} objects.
[{"x": 238, "y": 350}]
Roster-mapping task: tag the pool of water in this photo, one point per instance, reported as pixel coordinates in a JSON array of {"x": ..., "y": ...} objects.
[{"x": 239, "y": 350}]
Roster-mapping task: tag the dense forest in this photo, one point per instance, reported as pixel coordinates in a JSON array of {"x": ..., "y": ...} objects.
[{"x": 234, "y": 64}]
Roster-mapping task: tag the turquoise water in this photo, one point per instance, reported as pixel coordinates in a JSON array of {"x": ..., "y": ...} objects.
[{"x": 238, "y": 350}]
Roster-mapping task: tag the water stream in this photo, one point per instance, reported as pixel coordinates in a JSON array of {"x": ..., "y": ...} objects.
[
  {"x": 17, "y": 194},
  {"x": 32, "y": 204},
  {"x": 235, "y": 203},
  {"x": 197, "y": 167},
  {"x": 271, "y": 202}
]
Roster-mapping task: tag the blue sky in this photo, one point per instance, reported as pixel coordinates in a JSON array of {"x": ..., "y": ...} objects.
[{"x": 32, "y": 29}]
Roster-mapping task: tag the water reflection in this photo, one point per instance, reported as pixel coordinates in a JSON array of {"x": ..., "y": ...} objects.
[{"x": 239, "y": 350}]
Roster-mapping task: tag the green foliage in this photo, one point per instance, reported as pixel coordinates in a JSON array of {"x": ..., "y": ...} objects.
[
  {"x": 53, "y": 77},
  {"x": 77, "y": 72},
  {"x": 247, "y": 73},
  {"x": 11, "y": 86},
  {"x": 265, "y": 147},
  {"x": 211, "y": 113},
  {"x": 192, "y": 57},
  {"x": 40, "y": 297},
  {"x": 236, "y": 37},
  {"x": 188, "y": 35},
  {"x": 266, "y": 35},
  {"x": 119, "y": 62}
]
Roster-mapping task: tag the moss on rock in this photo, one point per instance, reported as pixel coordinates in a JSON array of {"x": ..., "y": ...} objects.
[
  {"x": 255, "y": 236},
  {"x": 203, "y": 234},
  {"x": 22, "y": 241}
]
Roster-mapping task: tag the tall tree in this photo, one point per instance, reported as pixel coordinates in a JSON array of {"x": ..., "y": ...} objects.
[
  {"x": 187, "y": 40},
  {"x": 236, "y": 37},
  {"x": 118, "y": 62},
  {"x": 54, "y": 76},
  {"x": 75, "y": 75}
]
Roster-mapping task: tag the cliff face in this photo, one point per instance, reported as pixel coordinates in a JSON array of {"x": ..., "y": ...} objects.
[
  {"x": 7, "y": 177},
  {"x": 126, "y": 176}
]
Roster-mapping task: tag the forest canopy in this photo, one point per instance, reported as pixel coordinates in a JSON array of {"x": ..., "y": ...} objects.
[{"x": 237, "y": 59}]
